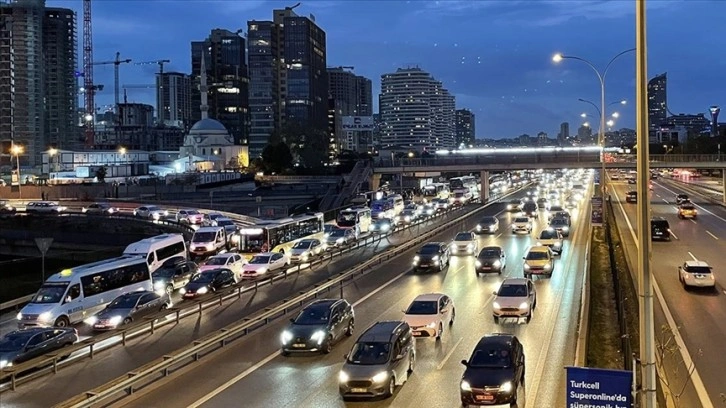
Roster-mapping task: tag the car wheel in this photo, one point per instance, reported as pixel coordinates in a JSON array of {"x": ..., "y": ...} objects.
[
  {"x": 440, "y": 332},
  {"x": 496, "y": 320},
  {"x": 62, "y": 322},
  {"x": 529, "y": 317},
  {"x": 391, "y": 387},
  {"x": 453, "y": 317},
  {"x": 169, "y": 289},
  {"x": 126, "y": 321},
  {"x": 411, "y": 363},
  {"x": 328, "y": 346},
  {"x": 351, "y": 327},
  {"x": 285, "y": 353}
]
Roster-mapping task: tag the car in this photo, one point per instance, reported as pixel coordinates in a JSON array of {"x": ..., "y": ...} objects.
[
  {"x": 464, "y": 243},
  {"x": 46, "y": 207},
  {"x": 553, "y": 208},
  {"x": 522, "y": 224},
  {"x": 318, "y": 326},
  {"x": 494, "y": 372},
  {"x": 127, "y": 308},
  {"x": 516, "y": 298},
  {"x": 428, "y": 210},
  {"x": 687, "y": 210},
  {"x": 151, "y": 212},
  {"x": 208, "y": 282},
  {"x": 25, "y": 344},
  {"x": 660, "y": 229},
  {"x": 562, "y": 225},
  {"x": 696, "y": 274},
  {"x": 407, "y": 216},
  {"x": 189, "y": 216},
  {"x": 441, "y": 204},
  {"x": 542, "y": 202},
  {"x": 305, "y": 249},
  {"x": 680, "y": 198},
  {"x": 615, "y": 176},
  {"x": 488, "y": 224},
  {"x": 327, "y": 229},
  {"x": 539, "y": 260},
  {"x": 339, "y": 237},
  {"x": 571, "y": 203},
  {"x": 263, "y": 263},
  {"x": 552, "y": 239},
  {"x": 490, "y": 259},
  {"x": 382, "y": 358},
  {"x": 514, "y": 205},
  {"x": 383, "y": 226},
  {"x": 530, "y": 209},
  {"x": 561, "y": 214},
  {"x": 631, "y": 197},
  {"x": 428, "y": 314},
  {"x": 229, "y": 260},
  {"x": 100, "y": 209},
  {"x": 173, "y": 274},
  {"x": 230, "y": 227},
  {"x": 432, "y": 255},
  {"x": 6, "y": 208},
  {"x": 631, "y": 180},
  {"x": 210, "y": 219}
]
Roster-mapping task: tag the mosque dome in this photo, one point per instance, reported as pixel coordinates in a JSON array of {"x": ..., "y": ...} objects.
[{"x": 208, "y": 124}]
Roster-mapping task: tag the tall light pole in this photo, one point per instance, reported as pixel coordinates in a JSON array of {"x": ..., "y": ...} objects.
[
  {"x": 600, "y": 76},
  {"x": 17, "y": 150},
  {"x": 645, "y": 283}
]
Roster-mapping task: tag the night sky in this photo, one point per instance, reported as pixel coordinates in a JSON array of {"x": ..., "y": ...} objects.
[{"x": 495, "y": 56}]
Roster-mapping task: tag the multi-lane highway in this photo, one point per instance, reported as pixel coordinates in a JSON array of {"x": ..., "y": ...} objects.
[
  {"x": 699, "y": 315},
  {"x": 253, "y": 371},
  {"x": 106, "y": 366}
]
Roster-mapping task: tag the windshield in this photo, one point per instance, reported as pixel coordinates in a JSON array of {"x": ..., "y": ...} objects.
[
  {"x": 463, "y": 236},
  {"x": 423, "y": 307},
  {"x": 522, "y": 219},
  {"x": 313, "y": 316},
  {"x": 377, "y": 205},
  {"x": 164, "y": 273},
  {"x": 217, "y": 260},
  {"x": 223, "y": 223},
  {"x": 687, "y": 207},
  {"x": 302, "y": 245},
  {"x": 369, "y": 353},
  {"x": 489, "y": 253},
  {"x": 488, "y": 220},
  {"x": 555, "y": 208},
  {"x": 204, "y": 237},
  {"x": 491, "y": 357},
  {"x": 537, "y": 256},
  {"x": 558, "y": 221},
  {"x": 192, "y": 212},
  {"x": 152, "y": 209},
  {"x": 510, "y": 290},
  {"x": 260, "y": 260},
  {"x": 204, "y": 277},
  {"x": 123, "y": 302},
  {"x": 15, "y": 340},
  {"x": 458, "y": 195},
  {"x": 548, "y": 234},
  {"x": 698, "y": 269},
  {"x": 337, "y": 233},
  {"x": 50, "y": 293},
  {"x": 346, "y": 219},
  {"x": 429, "y": 250}
]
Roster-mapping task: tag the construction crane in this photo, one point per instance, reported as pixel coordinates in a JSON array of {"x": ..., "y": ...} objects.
[
  {"x": 138, "y": 86},
  {"x": 116, "y": 63},
  {"x": 159, "y": 91},
  {"x": 89, "y": 87}
]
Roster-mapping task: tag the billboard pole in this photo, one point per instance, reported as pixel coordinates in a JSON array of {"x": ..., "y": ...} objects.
[{"x": 645, "y": 283}]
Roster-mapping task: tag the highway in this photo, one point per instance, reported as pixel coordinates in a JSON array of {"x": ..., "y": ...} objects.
[
  {"x": 253, "y": 371},
  {"x": 700, "y": 315},
  {"x": 108, "y": 365}
]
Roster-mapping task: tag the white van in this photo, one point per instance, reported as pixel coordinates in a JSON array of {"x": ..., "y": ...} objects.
[
  {"x": 208, "y": 241},
  {"x": 396, "y": 201},
  {"x": 75, "y": 294},
  {"x": 156, "y": 250}
]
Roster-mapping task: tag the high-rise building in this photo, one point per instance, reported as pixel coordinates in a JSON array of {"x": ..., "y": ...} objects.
[
  {"x": 7, "y": 85},
  {"x": 657, "y": 101},
  {"x": 564, "y": 133},
  {"x": 416, "y": 111},
  {"x": 176, "y": 99},
  {"x": 354, "y": 97},
  {"x": 224, "y": 53},
  {"x": 542, "y": 138},
  {"x": 289, "y": 81},
  {"x": 465, "y": 127},
  {"x": 584, "y": 133}
]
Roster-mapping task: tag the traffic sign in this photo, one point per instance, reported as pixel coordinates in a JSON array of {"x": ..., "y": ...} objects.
[
  {"x": 596, "y": 216},
  {"x": 43, "y": 244},
  {"x": 599, "y": 388}
]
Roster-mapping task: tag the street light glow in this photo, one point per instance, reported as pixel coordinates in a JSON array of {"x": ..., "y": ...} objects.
[
  {"x": 122, "y": 150},
  {"x": 88, "y": 117},
  {"x": 586, "y": 124},
  {"x": 17, "y": 150},
  {"x": 52, "y": 151},
  {"x": 557, "y": 57},
  {"x": 615, "y": 115},
  {"x": 583, "y": 115},
  {"x": 610, "y": 123},
  {"x": 623, "y": 102}
]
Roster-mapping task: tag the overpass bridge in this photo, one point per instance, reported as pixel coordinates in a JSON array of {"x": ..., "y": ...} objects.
[{"x": 487, "y": 160}]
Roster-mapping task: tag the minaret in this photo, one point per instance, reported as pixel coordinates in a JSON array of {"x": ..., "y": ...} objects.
[{"x": 203, "y": 88}]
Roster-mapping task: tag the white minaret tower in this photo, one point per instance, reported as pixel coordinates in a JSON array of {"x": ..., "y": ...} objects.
[{"x": 203, "y": 88}]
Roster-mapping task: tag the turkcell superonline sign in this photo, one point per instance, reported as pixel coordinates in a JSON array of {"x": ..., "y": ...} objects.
[{"x": 598, "y": 388}]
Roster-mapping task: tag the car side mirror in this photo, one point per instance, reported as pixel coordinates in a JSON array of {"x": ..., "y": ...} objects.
[
  {"x": 494, "y": 293},
  {"x": 292, "y": 320},
  {"x": 465, "y": 363},
  {"x": 68, "y": 299},
  {"x": 345, "y": 356},
  {"x": 524, "y": 257}
]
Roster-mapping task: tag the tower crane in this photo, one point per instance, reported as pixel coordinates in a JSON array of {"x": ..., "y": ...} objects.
[
  {"x": 137, "y": 86},
  {"x": 90, "y": 88},
  {"x": 160, "y": 89},
  {"x": 116, "y": 63}
]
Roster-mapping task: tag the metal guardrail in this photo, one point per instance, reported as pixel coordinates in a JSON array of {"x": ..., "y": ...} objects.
[
  {"x": 15, "y": 303},
  {"x": 165, "y": 365},
  {"x": 31, "y": 369}
]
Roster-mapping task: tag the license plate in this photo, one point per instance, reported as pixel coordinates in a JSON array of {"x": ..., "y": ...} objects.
[
  {"x": 485, "y": 397},
  {"x": 416, "y": 333},
  {"x": 424, "y": 265},
  {"x": 486, "y": 267},
  {"x": 298, "y": 345},
  {"x": 359, "y": 390}
]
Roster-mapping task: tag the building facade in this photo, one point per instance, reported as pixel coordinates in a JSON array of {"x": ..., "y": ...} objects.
[
  {"x": 417, "y": 112},
  {"x": 176, "y": 99},
  {"x": 353, "y": 96},
  {"x": 465, "y": 128},
  {"x": 225, "y": 59},
  {"x": 657, "y": 101},
  {"x": 261, "y": 61},
  {"x": 7, "y": 86},
  {"x": 564, "y": 133}
]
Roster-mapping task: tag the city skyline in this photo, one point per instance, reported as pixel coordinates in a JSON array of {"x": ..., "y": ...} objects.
[{"x": 508, "y": 81}]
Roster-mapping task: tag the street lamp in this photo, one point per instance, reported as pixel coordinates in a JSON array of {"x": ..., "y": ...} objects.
[
  {"x": 601, "y": 77},
  {"x": 615, "y": 115},
  {"x": 17, "y": 150},
  {"x": 583, "y": 115},
  {"x": 52, "y": 152}
]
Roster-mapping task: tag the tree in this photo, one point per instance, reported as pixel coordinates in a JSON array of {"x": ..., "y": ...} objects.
[
  {"x": 308, "y": 143},
  {"x": 101, "y": 174},
  {"x": 668, "y": 355},
  {"x": 276, "y": 157}
]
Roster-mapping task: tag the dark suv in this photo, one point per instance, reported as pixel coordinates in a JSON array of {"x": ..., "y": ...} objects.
[
  {"x": 530, "y": 209},
  {"x": 173, "y": 274},
  {"x": 631, "y": 197},
  {"x": 432, "y": 255},
  {"x": 494, "y": 372},
  {"x": 660, "y": 229},
  {"x": 318, "y": 326}
]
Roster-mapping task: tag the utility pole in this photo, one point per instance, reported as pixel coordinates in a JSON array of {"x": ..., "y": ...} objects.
[{"x": 645, "y": 283}]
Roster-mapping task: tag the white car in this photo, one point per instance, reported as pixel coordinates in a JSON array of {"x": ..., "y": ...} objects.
[
  {"x": 522, "y": 224},
  {"x": 233, "y": 262},
  {"x": 305, "y": 249},
  {"x": 264, "y": 263},
  {"x": 48, "y": 207},
  {"x": 696, "y": 274},
  {"x": 151, "y": 212},
  {"x": 189, "y": 216},
  {"x": 464, "y": 243},
  {"x": 516, "y": 298},
  {"x": 551, "y": 238},
  {"x": 428, "y": 314}
]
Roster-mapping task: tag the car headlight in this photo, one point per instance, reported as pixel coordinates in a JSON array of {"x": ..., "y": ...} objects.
[
  {"x": 285, "y": 337},
  {"x": 385, "y": 227},
  {"x": 262, "y": 270},
  {"x": 202, "y": 290},
  {"x": 478, "y": 227},
  {"x": 318, "y": 336},
  {"x": 496, "y": 305},
  {"x": 209, "y": 247},
  {"x": 470, "y": 246},
  {"x": 380, "y": 377},
  {"x": 45, "y": 317},
  {"x": 524, "y": 305},
  {"x": 416, "y": 258},
  {"x": 548, "y": 266},
  {"x": 465, "y": 386},
  {"x": 539, "y": 243},
  {"x": 435, "y": 258},
  {"x": 235, "y": 239},
  {"x": 497, "y": 264},
  {"x": 526, "y": 267},
  {"x": 477, "y": 264},
  {"x": 159, "y": 285},
  {"x": 506, "y": 387},
  {"x": 407, "y": 218},
  {"x": 155, "y": 216},
  {"x": 339, "y": 241},
  {"x": 114, "y": 321},
  {"x": 19, "y": 316},
  {"x": 91, "y": 320},
  {"x": 343, "y": 377},
  {"x": 558, "y": 243},
  {"x": 509, "y": 206},
  {"x": 431, "y": 325},
  {"x": 565, "y": 229}
]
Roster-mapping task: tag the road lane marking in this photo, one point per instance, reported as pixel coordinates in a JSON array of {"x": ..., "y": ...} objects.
[
  {"x": 712, "y": 236},
  {"x": 692, "y": 220},
  {"x": 497, "y": 237},
  {"x": 674, "y": 235},
  {"x": 698, "y": 206},
  {"x": 682, "y": 348},
  {"x": 448, "y": 355},
  {"x": 693, "y": 256},
  {"x": 665, "y": 201}
]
